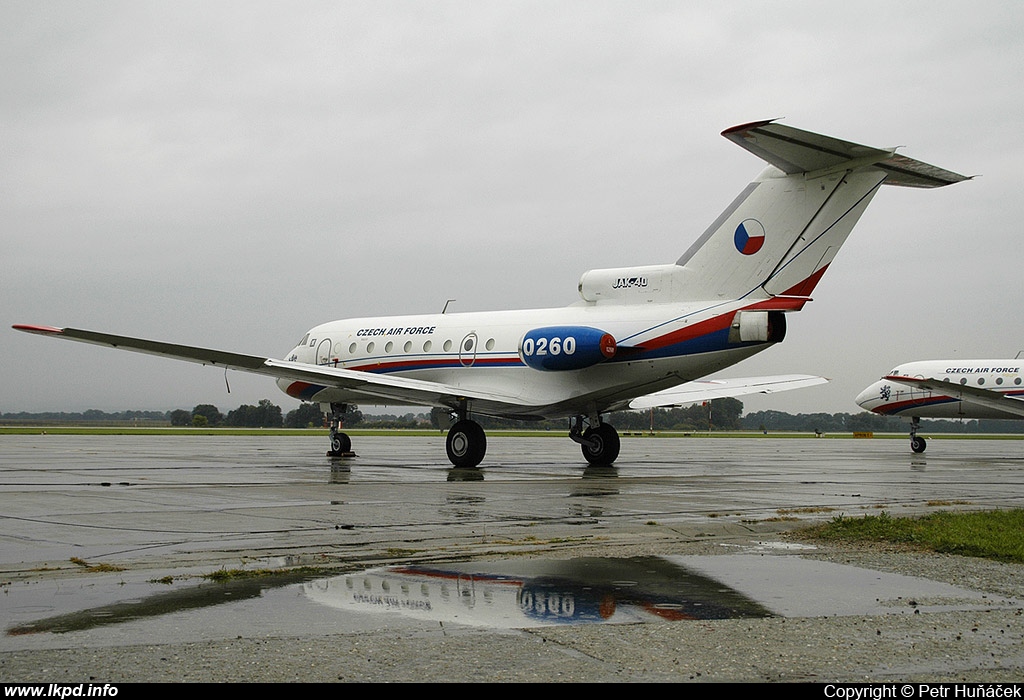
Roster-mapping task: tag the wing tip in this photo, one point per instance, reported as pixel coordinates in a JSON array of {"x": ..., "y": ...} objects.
[
  {"x": 41, "y": 330},
  {"x": 739, "y": 128}
]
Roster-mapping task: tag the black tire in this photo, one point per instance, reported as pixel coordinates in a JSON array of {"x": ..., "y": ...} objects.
[
  {"x": 341, "y": 444},
  {"x": 605, "y": 449},
  {"x": 466, "y": 444},
  {"x": 917, "y": 444}
]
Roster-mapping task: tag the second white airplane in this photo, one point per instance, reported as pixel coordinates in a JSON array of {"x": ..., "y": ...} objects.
[
  {"x": 640, "y": 336},
  {"x": 948, "y": 389}
]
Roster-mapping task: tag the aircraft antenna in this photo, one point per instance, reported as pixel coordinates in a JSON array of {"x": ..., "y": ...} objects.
[{"x": 226, "y": 380}]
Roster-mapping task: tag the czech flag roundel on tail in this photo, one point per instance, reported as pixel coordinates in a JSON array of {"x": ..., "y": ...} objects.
[{"x": 749, "y": 236}]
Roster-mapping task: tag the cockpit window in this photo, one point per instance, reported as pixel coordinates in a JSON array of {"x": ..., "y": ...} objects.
[{"x": 304, "y": 339}]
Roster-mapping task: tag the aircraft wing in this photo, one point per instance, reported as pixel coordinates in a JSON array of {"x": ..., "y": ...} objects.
[
  {"x": 403, "y": 390},
  {"x": 707, "y": 389},
  {"x": 374, "y": 386},
  {"x": 968, "y": 394}
]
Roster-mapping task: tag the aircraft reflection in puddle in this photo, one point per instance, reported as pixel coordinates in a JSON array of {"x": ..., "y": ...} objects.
[
  {"x": 532, "y": 593},
  {"x": 516, "y": 593}
]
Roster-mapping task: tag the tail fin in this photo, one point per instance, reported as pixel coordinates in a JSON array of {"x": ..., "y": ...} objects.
[{"x": 779, "y": 236}]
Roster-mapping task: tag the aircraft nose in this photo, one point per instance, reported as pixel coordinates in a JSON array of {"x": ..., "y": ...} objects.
[{"x": 869, "y": 398}]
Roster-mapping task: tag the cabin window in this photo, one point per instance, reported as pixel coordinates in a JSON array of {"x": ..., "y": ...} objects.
[
  {"x": 963, "y": 380},
  {"x": 490, "y": 343},
  {"x": 447, "y": 345},
  {"x": 389, "y": 347},
  {"x": 999, "y": 380},
  {"x": 1017, "y": 380},
  {"x": 427, "y": 345},
  {"x": 352, "y": 349},
  {"x": 369, "y": 347},
  {"x": 981, "y": 380},
  {"x": 408, "y": 346}
]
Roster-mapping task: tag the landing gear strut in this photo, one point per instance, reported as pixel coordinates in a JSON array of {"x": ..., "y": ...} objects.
[
  {"x": 599, "y": 442},
  {"x": 341, "y": 443},
  {"x": 917, "y": 444}
]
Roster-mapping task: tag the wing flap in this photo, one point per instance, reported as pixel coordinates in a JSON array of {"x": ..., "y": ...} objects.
[{"x": 708, "y": 389}]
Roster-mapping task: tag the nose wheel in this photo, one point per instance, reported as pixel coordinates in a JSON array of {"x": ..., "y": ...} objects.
[
  {"x": 917, "y": 443},
  {"x": 341, "y": 443}
]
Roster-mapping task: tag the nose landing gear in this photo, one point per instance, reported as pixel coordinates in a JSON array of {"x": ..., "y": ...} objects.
[
  {"x": 341, "y": 443},
  {"x": 917, "y": 443}
]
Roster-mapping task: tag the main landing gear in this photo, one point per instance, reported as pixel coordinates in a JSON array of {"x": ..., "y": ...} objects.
[
  {"x": 341, "y": 443},
  {"x": 599, "y": 441},
  {"x": 466, "y": 443},
  {"x": 917, "y": 444}
]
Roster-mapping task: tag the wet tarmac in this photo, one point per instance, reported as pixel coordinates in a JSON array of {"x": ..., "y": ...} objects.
[{"x": 105, "y": 539}]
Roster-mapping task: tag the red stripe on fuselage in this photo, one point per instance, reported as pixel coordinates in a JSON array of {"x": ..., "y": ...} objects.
[{"x": 689, "y": 332}]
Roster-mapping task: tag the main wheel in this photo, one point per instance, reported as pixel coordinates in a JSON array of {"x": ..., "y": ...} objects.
[
  {"x": 341, "y": 444},
  {"x": 604, "y": 444},
  {"x": 466, "y": 444},
  {"x": 917, "y": 444}
]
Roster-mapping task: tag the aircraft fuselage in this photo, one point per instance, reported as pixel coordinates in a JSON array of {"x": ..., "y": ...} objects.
[{"x": 657, "y": 346}]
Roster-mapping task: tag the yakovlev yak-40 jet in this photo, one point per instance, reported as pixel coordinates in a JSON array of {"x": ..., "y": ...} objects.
[
  {"x": 639, "y": 337},
  {"x": 948, "y": 389}
]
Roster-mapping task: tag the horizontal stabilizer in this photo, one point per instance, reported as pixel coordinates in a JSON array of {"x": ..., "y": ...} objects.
[
  {"x": 708, "y": 389},
  {"x": 796, "y": 151}
]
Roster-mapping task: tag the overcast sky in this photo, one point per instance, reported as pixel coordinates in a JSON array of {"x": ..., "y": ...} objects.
[{"x": 229, "y": 174}]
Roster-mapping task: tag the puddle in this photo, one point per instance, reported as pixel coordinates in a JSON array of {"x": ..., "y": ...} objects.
[{"x": 506, "y": 594}]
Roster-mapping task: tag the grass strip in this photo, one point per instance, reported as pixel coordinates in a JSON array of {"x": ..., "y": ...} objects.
[{"x": 997, "y": 535}]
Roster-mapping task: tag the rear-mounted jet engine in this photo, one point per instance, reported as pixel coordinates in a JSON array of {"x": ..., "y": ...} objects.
[{"x": 561, "y": 348}]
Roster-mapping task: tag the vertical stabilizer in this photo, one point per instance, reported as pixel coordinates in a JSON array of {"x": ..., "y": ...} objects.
[{"x": 779, "y": 235}]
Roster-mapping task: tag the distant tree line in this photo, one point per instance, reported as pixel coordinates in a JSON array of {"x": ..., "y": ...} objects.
[
  {"x": 869, "y": 423},
  {"x": 90, "y": 416},
  {"x": 719, "y": 414}
]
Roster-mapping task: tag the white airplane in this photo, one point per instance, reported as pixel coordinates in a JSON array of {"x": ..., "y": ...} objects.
[
  {"x": 947, "y": 389},
  {"x": 640, "y": 336}
]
